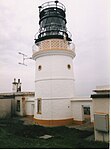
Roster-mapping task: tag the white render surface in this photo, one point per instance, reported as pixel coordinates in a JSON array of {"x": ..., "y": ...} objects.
[
  {"x": 101, "y": 106},
  {"x": 77, "y": 108},
  {"x": 54, "y": 84},
  {"x": 54, "y": 79},
  {"x": 55, "y": 109},
  {"x": 30, "y": 106},
  {"x": 55, "y": 89},
  {"x": 54, "y": 66}
]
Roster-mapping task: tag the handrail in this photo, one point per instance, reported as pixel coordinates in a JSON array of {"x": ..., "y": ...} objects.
[
  {"x": 52, "y": 4},
  {"x": 60, "y": 32}
]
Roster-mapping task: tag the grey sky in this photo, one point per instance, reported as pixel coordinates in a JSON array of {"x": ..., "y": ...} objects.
[{"x": 87, "y": 20}]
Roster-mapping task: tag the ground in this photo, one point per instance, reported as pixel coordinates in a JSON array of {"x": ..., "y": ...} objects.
[{"x": 17, "y": 133}]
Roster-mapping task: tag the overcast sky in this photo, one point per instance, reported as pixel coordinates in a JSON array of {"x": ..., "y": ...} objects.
[{"x": 87, "y": 20}]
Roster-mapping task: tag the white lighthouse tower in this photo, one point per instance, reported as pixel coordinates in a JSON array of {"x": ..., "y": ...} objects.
[{"x": 54, "y": 79}]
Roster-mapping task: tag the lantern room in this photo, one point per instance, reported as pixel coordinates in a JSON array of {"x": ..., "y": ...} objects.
[{"x": 52, "y": 22}]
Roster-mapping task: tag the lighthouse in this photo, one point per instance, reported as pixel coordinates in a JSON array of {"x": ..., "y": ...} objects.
[{"x": 54, "y": 77}]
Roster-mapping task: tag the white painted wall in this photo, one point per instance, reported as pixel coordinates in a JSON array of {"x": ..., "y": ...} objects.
[
  {"x": 29, "y": 101},
  {"x": 55, "y": 109},
  {"x": 55, "y": 79},
  {"x": 30, "y": 106},
  {"x": 53, "y": 68},
  {"x": 101, "y": 105},
  {"x": 77, "y": 108},
  {"x": 54, "y": 84},
  {"x": 55, "y": 88}
]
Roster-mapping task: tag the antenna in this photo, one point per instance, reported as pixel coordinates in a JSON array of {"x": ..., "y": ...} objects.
[{"x": 24, "y": 57}]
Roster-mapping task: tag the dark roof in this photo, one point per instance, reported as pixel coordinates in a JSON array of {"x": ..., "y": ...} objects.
[
  {"x": 101, "y": 95},
  {"x": 101, "y": 90}
]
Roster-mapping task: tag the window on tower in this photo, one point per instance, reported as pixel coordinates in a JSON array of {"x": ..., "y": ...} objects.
[
  {"x": 69, "y": 66},
  {"x": 39, "y": 67},
  {"x": 39, "y": 105}
]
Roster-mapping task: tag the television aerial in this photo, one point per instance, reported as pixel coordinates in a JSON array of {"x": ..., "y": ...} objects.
[{"x": 24, "y": 57}]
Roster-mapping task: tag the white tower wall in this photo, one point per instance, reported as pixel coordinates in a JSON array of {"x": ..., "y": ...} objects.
[
  {"x": 53, "y": 75},
  {"x": 54, "y": 85}
]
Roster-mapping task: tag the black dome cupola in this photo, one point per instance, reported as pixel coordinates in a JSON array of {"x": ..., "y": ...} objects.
[{"x": 52, "y": 22}]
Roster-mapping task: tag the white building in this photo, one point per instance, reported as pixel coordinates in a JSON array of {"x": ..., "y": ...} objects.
[
  {"x": 82, "y": 110},
  {"x": 54, "y": 103},
  {"x": 101, "y": 112},
  {"x": 16, "y": 103}
]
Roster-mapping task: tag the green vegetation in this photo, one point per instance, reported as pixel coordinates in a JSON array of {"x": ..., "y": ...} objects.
[{"x": 13, "y": 134}]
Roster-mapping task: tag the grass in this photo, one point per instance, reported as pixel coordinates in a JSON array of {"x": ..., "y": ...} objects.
[{"x": 13, "y": 134}]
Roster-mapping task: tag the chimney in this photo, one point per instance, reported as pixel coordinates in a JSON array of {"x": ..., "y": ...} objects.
[
  {"x": 19, "y": 86},
  {"x": 15, "y": 85}
]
